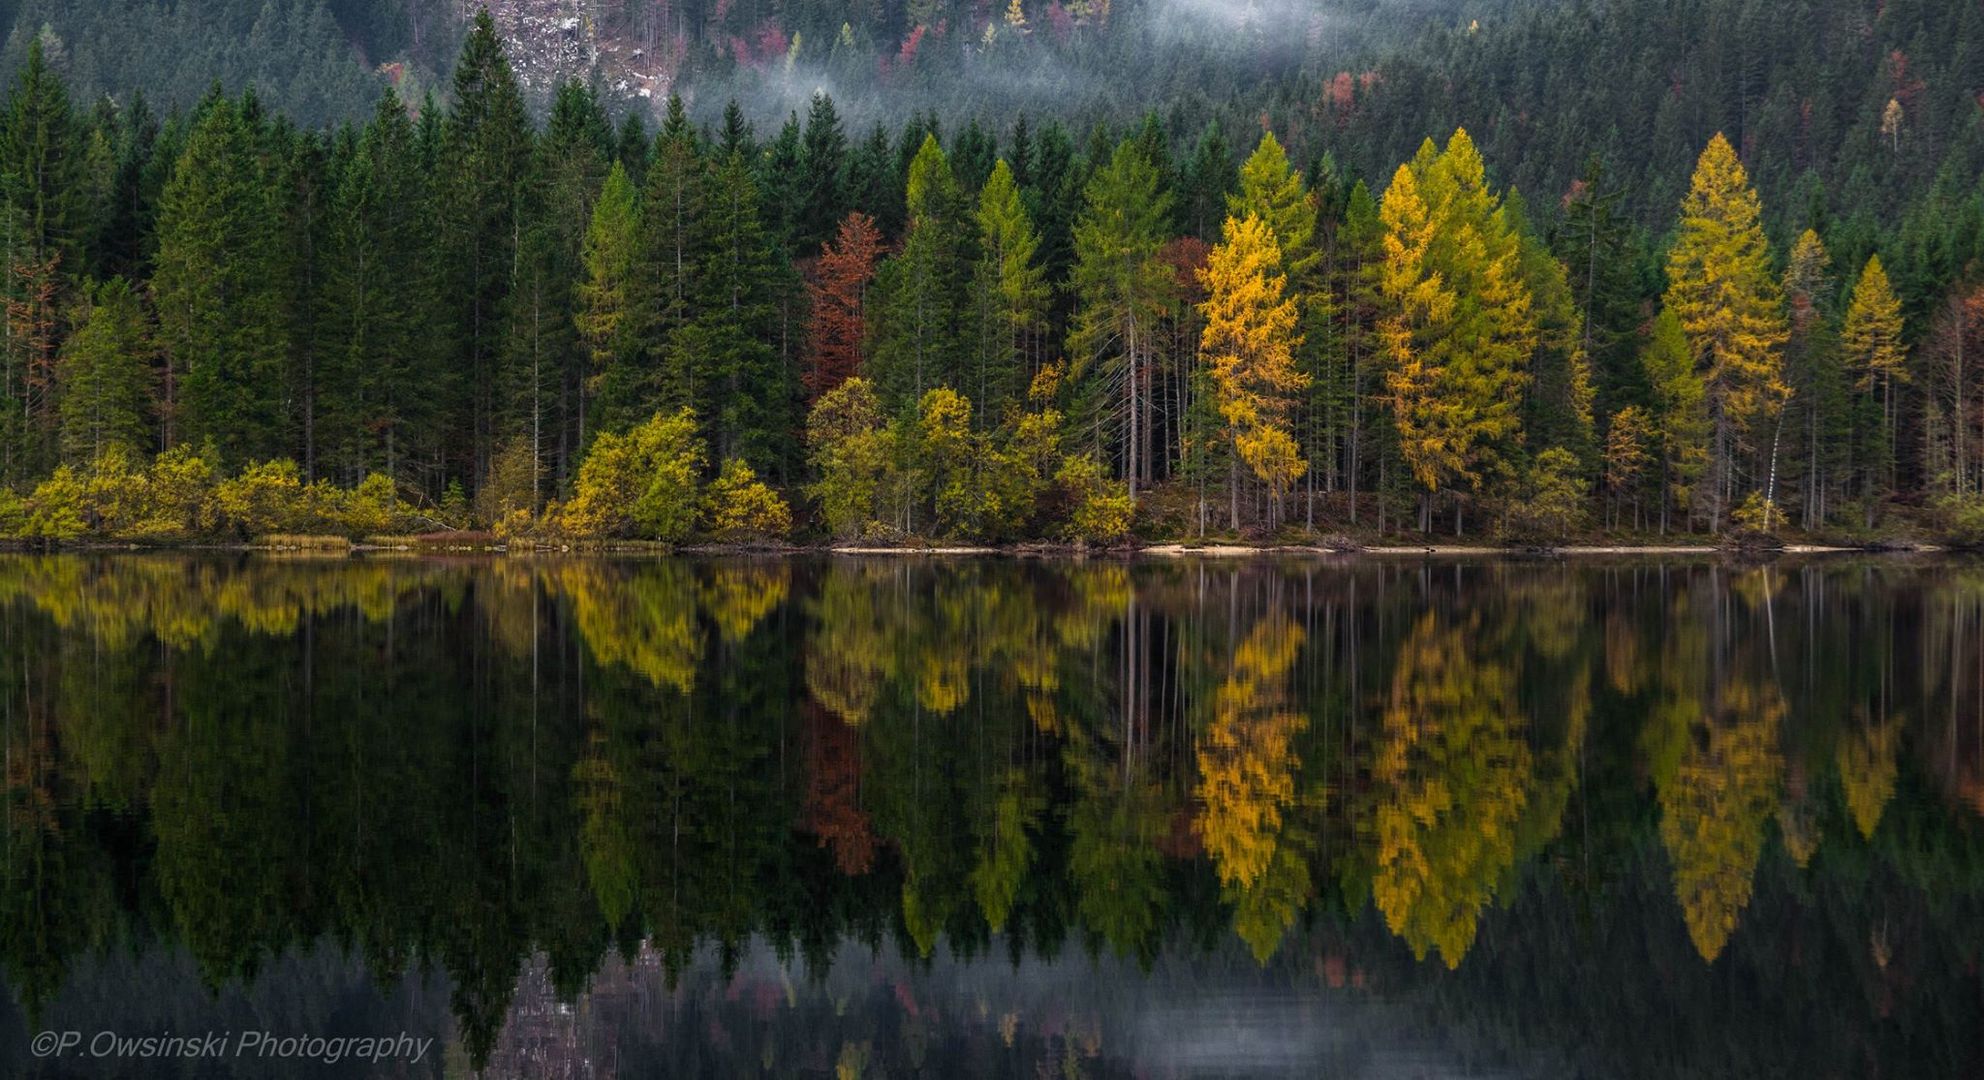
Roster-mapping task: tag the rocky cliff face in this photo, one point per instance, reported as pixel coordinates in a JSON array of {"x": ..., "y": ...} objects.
[{"x": 550, "y": 41}]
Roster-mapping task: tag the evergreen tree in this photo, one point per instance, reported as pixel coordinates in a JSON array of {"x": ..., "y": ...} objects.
[
  {"x": 673, "y": 244},
  {"x": 825, "y": 176},
  {"x": 1122, "y": 289},
  {"x": 223, "y": 326},
  {"x": 381, "y": 381},
  {"x": 1010, "y": 297},
  {"x": 750, "y": 398},
  {"x": 1560, "y": 400},
  {"x": 1593, "y": 240},
  {"x": 106, "y": 377},
  {"x": 1812, "y": 369},
  {"x": 485, "y": 155},
  {"x": 41, "y": 183},
  {"x": 922, "y": 290}
]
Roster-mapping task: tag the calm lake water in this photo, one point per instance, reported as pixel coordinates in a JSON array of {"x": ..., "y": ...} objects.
[{"x": 997, "y": 818}]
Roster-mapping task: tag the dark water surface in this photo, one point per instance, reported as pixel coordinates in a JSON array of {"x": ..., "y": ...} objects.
[{"x": 1633, "y": 818}]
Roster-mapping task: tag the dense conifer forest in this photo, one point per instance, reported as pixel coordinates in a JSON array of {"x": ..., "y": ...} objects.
[{"x": 1525, "y": 270}]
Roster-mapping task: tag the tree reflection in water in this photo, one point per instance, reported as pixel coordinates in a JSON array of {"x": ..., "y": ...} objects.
[{"x": 882, "y": 815}]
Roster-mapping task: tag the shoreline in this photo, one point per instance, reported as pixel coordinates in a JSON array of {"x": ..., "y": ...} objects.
[{"x": 1164, "y": 550}]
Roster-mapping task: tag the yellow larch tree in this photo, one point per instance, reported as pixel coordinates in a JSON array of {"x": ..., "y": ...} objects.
[
  {"x": 1731, "y": 310},
  {"x": 1871, "y": 340},
  {"x": 1248, "y": 346}
]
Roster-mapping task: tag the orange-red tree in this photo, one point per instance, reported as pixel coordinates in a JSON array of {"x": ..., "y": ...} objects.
[{"x": 839, "y": 292}]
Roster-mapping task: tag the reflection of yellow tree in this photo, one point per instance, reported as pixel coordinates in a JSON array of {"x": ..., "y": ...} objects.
[
  {"x": 1714, "y": 802},
  {"x": 1455, "y": 775},
  {"x": 645, "y": 620},
  {"x": 1867, "y": 771},
  {"x": 183, "y": 602},
  {"x": 1623, "y": 665},
  {"x": 738, "y": 597},
  {"x": 848, "y": 656},
  {"x": 1247, "y": 765}
]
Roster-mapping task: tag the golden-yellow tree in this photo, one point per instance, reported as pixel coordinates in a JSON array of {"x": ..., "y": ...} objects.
[
  {"x": 1249, "y": 346},
  {"x": 1460, "y": 326},
  {"x": 1731, "y": 309},
  {"x": 1871, "y": 338}
]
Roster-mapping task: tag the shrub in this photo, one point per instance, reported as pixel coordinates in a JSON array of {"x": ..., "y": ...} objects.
[
  {"x": 1100, "y": 511},
  {"x": 1962, "y": 520},
  {"x": 268, "y": 497},
  {"x": 1549, "y": 504},
  {"x": 55, "y": 510},
  {"x": 371, "y": 508},
  {"x": 181, "y": 494},
  {"x": 641, "y": 484},
  {"x": 740, "y": 507},
  {"x": 1756, "y": 515}
]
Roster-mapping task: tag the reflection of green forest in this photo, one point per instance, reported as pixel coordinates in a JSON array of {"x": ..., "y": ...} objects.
[{"x": 1668, "y": 774}]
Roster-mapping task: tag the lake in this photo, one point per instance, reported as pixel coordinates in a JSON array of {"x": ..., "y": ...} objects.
[{"x": 992, "y": 817}]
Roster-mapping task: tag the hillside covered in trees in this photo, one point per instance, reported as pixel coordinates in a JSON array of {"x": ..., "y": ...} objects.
[{"x": 1528, "y": 269}]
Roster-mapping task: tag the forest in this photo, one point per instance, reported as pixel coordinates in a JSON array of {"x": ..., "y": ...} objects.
[{"x": 531, "y": 314}]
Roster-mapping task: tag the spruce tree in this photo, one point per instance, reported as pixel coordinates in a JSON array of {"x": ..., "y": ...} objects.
[
  {"x": 223, "y": 323},
  {"x": 485, "y": 154},
  {"x": 1122, "y": 288},
  {"x": 1010, "y": 298},
  {"x": 41, "y": 182},
  {"x": 106, "y": 377}
]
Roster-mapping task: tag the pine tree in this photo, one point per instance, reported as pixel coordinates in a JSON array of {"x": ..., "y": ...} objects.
[
  {"x": 824, "y": 175},
  {"x": 41, "y": 181},
  {"x": 609, "y": 313},
  {"x": 1594, "y": 241},
  {"x": 750, "y": 399},
  {"x": 673, "y": 243},
  {"x": 1210, "y": 180},
  {"x": 547, "y": 361},
  {"x": 1871, "y": 341},
  {"x": 1249, "y": 347},
  {"x": 921, "y": 291},
  {"x": 105, "y": 376},
  {"x": 1010, "y": 294},
  {"x": 484, "y": 159},
  {"x": 1122, "y": 288},
  {"x": 1561, "y": 394},
  {"x": 1812, "y": 369},
  {"x": 222, "y": 321},
  {"x": 1354, "y": 282},
  {"x": 1721, "y": 288},
  {"x": 381, "y": 380}
]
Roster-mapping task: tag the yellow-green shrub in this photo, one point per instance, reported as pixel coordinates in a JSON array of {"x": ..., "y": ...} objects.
[
  {"x": 641, "y": 484},
  {"x": 739, "y": 506}
]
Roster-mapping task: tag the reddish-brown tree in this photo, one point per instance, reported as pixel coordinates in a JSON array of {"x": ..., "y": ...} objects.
[{"x": 839, "y": 289}]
